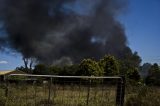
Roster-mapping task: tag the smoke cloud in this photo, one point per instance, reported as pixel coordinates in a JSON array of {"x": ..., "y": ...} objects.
[{"x": 49, "y": 30}]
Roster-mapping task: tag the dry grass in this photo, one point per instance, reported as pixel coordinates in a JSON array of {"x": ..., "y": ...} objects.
[
  {"x": 143, "y": 96},
  {"x": 76, "y": 95},
  {"x": 59, "y": 96}
]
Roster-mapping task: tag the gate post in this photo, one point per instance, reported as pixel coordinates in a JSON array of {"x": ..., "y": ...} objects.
[
  {"x": 6, "y": 87},
  {"x": 120, "y": 91},
  {"x": 49, "y": 92},
  {"x": 88, "y": 91}
]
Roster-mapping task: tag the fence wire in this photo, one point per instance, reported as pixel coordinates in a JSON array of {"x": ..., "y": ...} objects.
[{"x": 43, "y": 90}]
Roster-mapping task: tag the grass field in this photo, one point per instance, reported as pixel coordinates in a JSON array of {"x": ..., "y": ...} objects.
[
  {"x": 76, "y": 95},
  {"x": 66, "y": 95},
  {"x": 142, "y": 96}
]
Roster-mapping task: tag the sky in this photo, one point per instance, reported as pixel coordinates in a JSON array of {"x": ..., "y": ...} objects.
[
  {"x": 142, "y": 26},
  {"x": 141, "y": 21}
]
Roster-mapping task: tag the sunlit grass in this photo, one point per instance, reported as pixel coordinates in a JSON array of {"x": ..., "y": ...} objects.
[
  {"x": 59, "y": 95},
  {"x": 69, "y": 95}
]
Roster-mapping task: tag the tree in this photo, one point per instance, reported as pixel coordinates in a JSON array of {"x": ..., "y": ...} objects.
[
  {"x": 109, "y": 65},
  {"x": 153, "y": 75},
  {"x": 89, "y": 67},
  {"x": 70, "y": 70},
  {"x": 41, "y": 69},
  {"x": 154, "y": 69},
  {"x": 144, "y": 70},
  {"x": 134, "y": 74},
  {"x": 28, "y": 63},
  {"x": 25, "y": 60},
  {"x": 21, "y": 68},
  {"x": 129, "y": 66},
  {"x": 55, "y": 70}
]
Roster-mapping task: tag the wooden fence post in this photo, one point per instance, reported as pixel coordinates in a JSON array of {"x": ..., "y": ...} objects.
[
  {"x": 6, "y": 87},
  {"x": 49, "y": 93},
  {"x": 120, "y": 91}
]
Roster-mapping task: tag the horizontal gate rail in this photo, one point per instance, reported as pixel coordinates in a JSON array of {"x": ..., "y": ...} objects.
[
  {"x": 120, "y": 92},
  {"x": 57, "y": 76}
]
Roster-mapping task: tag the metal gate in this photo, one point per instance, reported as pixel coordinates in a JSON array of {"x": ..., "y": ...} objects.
[{"x": 52, "y": 90}]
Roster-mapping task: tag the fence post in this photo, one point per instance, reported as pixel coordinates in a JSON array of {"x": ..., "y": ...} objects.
[
  {"x": 6, "y": 88},
  {"x": 49, "y": 93},
  {"x": 35, "y": 91},
  {"x": 88, "y": 92},
  {"x": 120, "y": 91}
]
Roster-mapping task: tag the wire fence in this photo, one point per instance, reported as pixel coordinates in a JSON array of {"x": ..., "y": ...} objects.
[{"x": 50, "y": 90}]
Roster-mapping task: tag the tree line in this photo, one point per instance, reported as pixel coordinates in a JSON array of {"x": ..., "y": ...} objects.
[
  {"x": 150, "y": 73},
  {"x": 106, "y": 66}
]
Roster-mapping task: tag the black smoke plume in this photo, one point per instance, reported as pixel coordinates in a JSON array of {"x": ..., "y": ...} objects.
[{"x": 49, "y": 30}]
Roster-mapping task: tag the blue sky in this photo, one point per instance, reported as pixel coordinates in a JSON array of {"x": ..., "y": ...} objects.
[
  {"x": 141, "y": 21},
  {"x": 142, "y": 26},
  {"x": 10, "y": 61}
]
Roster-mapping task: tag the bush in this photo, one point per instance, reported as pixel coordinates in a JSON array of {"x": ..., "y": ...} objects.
[
  {"x": 89, "y": 67},
  {"x": 2, "y": 100},
  {"x": 144, "y": 96},
  {"x": 109, "y": 65}
]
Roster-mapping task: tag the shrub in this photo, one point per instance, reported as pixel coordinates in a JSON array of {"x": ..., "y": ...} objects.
[
  {"x": 2, "y": 100},
  {"x": 144, "y": 96}
]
